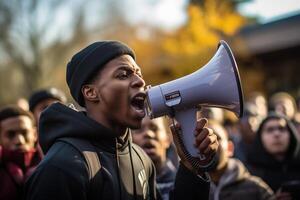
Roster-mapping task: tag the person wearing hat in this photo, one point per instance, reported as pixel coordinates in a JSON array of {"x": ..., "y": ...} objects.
[
  {"x": 41, "y": 99},
  {"x": 105, "y": 79}
]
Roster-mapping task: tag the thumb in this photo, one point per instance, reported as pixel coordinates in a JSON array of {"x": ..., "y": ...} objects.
[{"x": 175, "y": 127}]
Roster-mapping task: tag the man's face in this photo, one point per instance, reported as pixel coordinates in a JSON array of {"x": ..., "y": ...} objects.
[
  {"x": 17, "y": 133},
  {"x": 153, "y": 138},
  {"x": 275, "y": 136},
  {"x": 38, "y": 109},
  {"x": 120, "y": 91}
]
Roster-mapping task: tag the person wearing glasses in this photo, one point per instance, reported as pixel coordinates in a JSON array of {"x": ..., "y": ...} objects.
[{"x": 275, "y": 154}]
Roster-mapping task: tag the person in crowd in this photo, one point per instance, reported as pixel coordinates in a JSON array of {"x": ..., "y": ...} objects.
[
  {"x": 259, "y": 102},
  {"x": 275, "y": 154},
  {"x": 105, "y": 79},
  {"x": 18, "y": 155},
  {"x": 41, "y": 99},
  {"x": 154, "y": 139},
  {"x": 230, "y": 178},
  {"x": 283, "y": 103},
  {"x": 22, "y": 103},
  {"x": 297, "y": 115},
  {"x": 247, "y": 127}
]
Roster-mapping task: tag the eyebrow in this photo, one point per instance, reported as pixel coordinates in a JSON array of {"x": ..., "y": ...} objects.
[{"x": 127, "y": 67}]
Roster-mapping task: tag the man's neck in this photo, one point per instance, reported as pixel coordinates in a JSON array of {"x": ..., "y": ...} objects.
[{"x": 120, "y": 130}]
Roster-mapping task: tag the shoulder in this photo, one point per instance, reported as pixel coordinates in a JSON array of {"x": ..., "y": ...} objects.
[
  {"x": 63, "y": 158},
  {"x": 258, "y": 182}
]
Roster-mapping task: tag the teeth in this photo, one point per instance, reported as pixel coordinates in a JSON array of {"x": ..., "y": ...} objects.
[{"x": 139, "y": 98}]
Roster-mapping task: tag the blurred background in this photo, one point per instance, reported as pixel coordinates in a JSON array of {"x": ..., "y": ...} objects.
[{"x": 171, "y": 38}]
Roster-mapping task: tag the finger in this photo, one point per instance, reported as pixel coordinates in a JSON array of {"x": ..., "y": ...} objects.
[
  {"x": 207, "y": 142},
  {"x": 211, "y": 149},
  {"x": 200, "y": 125},
  {"x": 202, "y": 135},
  {"x": 175, "y": 128}
]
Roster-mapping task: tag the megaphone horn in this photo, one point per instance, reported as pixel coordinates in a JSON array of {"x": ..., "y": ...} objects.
[{"x": 217, "y": 84}]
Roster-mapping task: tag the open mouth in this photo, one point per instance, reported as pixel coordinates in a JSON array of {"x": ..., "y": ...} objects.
[{"x": 137, "y": 102}]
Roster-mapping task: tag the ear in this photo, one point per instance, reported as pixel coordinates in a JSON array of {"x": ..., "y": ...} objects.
[
  {"x": 35, "y": 134},
  {"x": 230, "y": 149},
  {"x": 89, "y": 93}
]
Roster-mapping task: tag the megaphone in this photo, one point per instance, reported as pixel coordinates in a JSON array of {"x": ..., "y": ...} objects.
[{"x": 217, "y": 84}]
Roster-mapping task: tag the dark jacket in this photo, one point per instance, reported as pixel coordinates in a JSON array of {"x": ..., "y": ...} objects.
[
  {"x": 165, "y": 179},
  {"x": 264, "y": 165},
  {"x": 126, "y": 171},
  {"x": 237, "y": 183}
]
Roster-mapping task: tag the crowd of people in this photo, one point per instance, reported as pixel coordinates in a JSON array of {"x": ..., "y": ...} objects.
[{"x": 109, "y": 149}]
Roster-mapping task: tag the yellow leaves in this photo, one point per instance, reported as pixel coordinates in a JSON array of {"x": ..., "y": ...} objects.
[
  {"x": 166, "y": 56},
  {"x": 205, "y": 26},
  {"x": 220, "y": 15}
]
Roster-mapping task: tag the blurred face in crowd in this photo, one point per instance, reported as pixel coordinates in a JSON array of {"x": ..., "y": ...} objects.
[
  {"x": 226, "y": 148},
  {"x": 260, "y": 103},
  {"x": 117, "y": 95},
  {"x": 17, "y": 133},
  {"x": 153, "y": 138},
  {"x": 286, "y": 107},
  {"x": 38, "y": 109},
  {"x": 247, "y": 126},
  {"x": 275, "y": 137}
]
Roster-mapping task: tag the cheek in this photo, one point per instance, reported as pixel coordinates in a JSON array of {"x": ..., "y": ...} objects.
[
  {"x": 115, "y": 98},
  {"x": 6, "y": 142},
  {"x": 286, "y": 139},
  {"x": 266, "y": 140}
]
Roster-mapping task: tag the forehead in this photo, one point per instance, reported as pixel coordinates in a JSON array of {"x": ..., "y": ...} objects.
[
  {"x": 275, "y": 122},
  {"x": 121, "y": 61},
  {"x": 16, "y": 122}
]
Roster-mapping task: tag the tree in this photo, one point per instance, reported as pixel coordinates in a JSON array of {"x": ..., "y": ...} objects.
[{"x": 32, "y": 43}]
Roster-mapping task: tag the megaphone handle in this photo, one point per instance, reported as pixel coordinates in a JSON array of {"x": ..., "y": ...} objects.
[{"x": 187, "y": 120}]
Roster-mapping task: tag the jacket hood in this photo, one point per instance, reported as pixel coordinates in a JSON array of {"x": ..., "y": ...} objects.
[
  {"x": 258, "y": 154},
  {"x": 59, "y": 121}
]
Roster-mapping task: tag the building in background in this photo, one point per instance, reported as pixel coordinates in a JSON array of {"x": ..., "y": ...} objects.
[{"x": 269, "y": 56}]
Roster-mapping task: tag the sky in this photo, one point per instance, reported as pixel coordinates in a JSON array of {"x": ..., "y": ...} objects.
[
  {"x": 171, "y": 13},
  {"x": 270, "y": 10}
]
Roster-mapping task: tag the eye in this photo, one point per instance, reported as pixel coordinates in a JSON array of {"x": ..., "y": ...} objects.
[
  {"x": 153, "y": 127},
  {"x": 139, "y": 74},
  {"x": 124, "y": 74},
  {"x": 11, "y": 134}
]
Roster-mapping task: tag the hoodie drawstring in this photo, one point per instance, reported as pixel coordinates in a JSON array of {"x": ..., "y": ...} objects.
[
  {"x": 133, "y": 174},
  {"x": 118, "y": 171}
]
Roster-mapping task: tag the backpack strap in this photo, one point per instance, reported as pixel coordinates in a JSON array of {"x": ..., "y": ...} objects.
[{"x": 89, "y": 152}]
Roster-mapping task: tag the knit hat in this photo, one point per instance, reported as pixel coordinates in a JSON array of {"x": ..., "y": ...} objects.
[
  {"x": 89, "y": 61},
  {"x": 40, "y": 95}
]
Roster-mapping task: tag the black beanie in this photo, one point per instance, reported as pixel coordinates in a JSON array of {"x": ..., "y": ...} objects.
[
  {"x": 43, "y": 94},
  {"x": 89, "y": 61}
]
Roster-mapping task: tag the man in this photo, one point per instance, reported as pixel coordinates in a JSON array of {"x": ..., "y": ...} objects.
[
  {"x": 155, "y": 140},
  {"x": 18, "y": 155},
  {"x": 230, "y": 178},
  {"x": 105, "y": 79},
  {"x": 43, "y": 98},
  {"x": 275, "y": 154}
]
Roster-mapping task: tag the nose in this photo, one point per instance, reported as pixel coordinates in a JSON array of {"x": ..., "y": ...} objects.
[
  {"x": 138, "y": 82},
  {"x": 19, "y": 140},
  {"x": 149, "y": 134}
]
